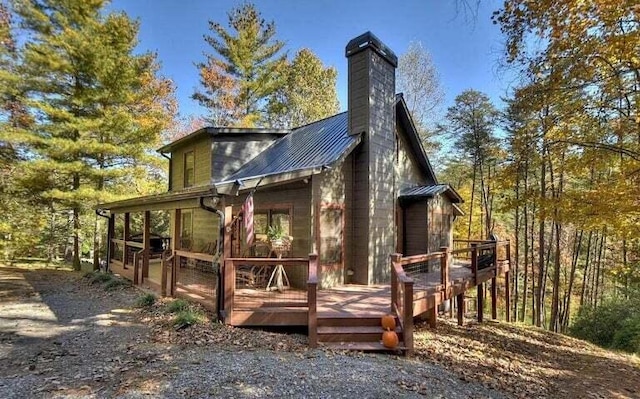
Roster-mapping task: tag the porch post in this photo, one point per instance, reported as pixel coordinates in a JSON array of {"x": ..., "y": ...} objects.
[
  {"x": 460, "y": 306},
  {"x": 175, "y": 245},
  {"x": 126, "y": 236},
  {"x": 146, "y": 241},
  {"x": 480, "y": 302},
  {"x": 111, "y": 248},
  {"x": 494, "y": 299},
  {"x": 228, "y": 273}
]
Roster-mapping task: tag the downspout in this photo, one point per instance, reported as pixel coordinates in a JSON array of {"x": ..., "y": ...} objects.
[
  {"x": 220, "y": 249},
  {"x": 99, "y": 213},
  {"x": 170, "y": 169}
]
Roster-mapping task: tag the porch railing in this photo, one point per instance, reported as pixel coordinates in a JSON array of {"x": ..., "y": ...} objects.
[
  {"x": 259, "y": 283},
  {"x": 196, "y": 274}
]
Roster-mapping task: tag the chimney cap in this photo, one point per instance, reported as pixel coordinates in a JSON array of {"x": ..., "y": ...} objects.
[{"x": 369, "y": 40}]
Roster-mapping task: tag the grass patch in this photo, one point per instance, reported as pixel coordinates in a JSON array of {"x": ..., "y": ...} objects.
[
  {"x": 145, "y": 300},
  {"x": 116, "y": 283},
  {"x": 100, "y": 277},
  {"x": 177, "y": 306},
  {"x": 186, "y": 318}
]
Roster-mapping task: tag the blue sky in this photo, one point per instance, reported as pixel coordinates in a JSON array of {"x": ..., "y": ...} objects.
[{"x": 465, "y": 52}]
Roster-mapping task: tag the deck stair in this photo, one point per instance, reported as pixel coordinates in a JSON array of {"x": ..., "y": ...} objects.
[{"x": 346, "y": 331}]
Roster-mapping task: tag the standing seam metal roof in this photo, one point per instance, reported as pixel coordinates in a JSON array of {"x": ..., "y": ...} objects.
[
  {"x": 311, "y": 146},
  {"x": 429, "y": 191}
]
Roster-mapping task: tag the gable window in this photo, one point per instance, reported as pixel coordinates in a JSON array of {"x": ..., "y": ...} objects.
[{"x": 189, "y": 169}]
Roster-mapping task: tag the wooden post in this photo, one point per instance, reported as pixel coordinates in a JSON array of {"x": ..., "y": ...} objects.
[
  {"x": 460, "y": 306},
  {"x": 136, "y": 271},
  {"x": 163, "y": 274},
  {"x": 408, "y": 317},
  {"x": 507, "y": 282},
  {"x": 111, "y": 247},
  {"x": 229, "y": 289},
  {"x": 474, "y": 262},
  {"x": 125, "y": 237},
  {"x": 146, "y": 242},
  {"x": 444, "y": 270},
  {"x": 312, "y": 297},
  {"x": 494, "y": 299},
  {"x": 175, "y": 245},
  {"x": 480, "y": 302},
  {"x": 432, "y": 315},
  {"x": 228, "y": 222},
  {"x": 395, "y": 258}
]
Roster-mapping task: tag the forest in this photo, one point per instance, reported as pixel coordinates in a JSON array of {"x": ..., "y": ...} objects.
[{"x": 555, "y": 168}]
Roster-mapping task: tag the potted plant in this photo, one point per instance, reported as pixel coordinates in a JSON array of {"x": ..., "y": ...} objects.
[{"x": 279, "y": 241}]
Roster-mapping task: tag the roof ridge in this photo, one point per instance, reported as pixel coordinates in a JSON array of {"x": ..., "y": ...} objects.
[{"x": 319, "y": 120}]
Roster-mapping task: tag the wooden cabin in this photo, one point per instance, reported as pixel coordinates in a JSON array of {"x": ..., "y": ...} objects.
[{"x": 368, "y": 226}]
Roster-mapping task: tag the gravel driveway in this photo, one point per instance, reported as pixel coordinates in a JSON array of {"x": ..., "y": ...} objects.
[{"x": 61, "y": 337}]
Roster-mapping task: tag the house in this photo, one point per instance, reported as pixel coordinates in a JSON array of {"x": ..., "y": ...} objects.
[{"x": 354, "y": 188}]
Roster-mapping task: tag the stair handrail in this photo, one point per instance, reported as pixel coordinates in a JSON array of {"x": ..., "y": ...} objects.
[{"x": 402, "y": 306}]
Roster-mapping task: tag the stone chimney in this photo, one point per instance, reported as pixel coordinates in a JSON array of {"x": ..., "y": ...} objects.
[{"x": 371, "y": 92}]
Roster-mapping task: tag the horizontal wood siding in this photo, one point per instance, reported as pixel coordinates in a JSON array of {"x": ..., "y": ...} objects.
[
  {"x": 408, "y": 171},
  {"x": 202, "y": 158},
  {"x": 230, "y": 153},
  {"x": 206, "y": 228},
  {"x": 440, "y": 223},
  {"x": 330, "y": 188}
]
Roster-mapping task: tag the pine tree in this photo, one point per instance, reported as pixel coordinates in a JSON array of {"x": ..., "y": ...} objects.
[
  {"x": 99, "y": 107},
  {"x": 309, "y": 92},
  {"x": 245, "y": 70}
]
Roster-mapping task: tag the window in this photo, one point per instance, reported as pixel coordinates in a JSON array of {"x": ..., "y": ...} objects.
[
  {"x": 186, "y": 230},
  {"x": 189, "y": 169},
  {"x": 263, "y": 219}
]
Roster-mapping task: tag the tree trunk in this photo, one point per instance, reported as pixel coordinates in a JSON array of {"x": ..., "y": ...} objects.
[
  {"x": 76, "y": 227},
  {"x": 541, "y": 246},
  {"x": 566, "y": 314},
  {"x": 473, "y": 190},
  {"x": 586, "y": 270}
]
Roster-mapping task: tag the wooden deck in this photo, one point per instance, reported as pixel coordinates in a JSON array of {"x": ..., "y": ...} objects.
[{"x": 345, "y": 316}]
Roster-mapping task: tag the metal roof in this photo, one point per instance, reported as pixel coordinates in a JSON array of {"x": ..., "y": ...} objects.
[
  {"x": 315, "y": 145},
  {"x": 429, "y": 192},
  {"x": 215, "y": 131}
]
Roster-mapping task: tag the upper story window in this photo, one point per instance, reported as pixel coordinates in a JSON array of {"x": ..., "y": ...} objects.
[{"x": 189, "y": 169}]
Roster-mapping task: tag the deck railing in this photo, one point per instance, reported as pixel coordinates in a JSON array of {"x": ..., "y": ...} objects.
[
  {"x": 402, "y": 299},
  {"x": 196, "y": 274},
  {"x": 252, "y": 283}
]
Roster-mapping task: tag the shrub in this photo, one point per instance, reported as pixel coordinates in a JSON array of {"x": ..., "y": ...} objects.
[
  {"x": 146, "y": 300},
  {"x": 614, "y": 324},
  {"x": 186, "y": 318},
  {"x": 627, "y": 338},
  {"x": 115, "y": 283},
  {"x": 177, "y": 306}
]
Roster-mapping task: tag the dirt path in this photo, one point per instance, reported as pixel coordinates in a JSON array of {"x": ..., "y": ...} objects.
[{"x": 61, "y": 337}]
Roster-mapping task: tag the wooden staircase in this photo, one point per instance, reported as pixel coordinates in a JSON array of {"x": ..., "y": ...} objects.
[{"x": 341, "y": 331}]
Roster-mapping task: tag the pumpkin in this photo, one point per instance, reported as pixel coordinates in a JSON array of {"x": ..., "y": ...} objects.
[
  {"x": 390, "y": 339},
  {"x": 388, "y": 322}
]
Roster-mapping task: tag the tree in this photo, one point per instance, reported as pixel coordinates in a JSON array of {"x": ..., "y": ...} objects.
[
  {"x": 308, "y": 94},
  {"x": 419, "y": 82},
  {"x": 99, "y": 106},
  {"x": 244, "y": 71},
  {"x": 471, "y": 122}
]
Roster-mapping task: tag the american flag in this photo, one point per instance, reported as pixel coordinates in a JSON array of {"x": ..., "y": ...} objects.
[{"x": 247, "y": 211}]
